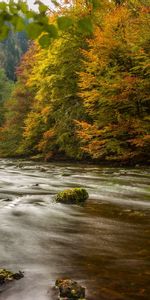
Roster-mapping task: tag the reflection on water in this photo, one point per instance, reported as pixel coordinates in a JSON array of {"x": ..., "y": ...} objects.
[{"x": 104, "y": 244}]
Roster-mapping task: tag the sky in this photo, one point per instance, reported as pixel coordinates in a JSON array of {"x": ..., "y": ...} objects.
[{"x": 31, "y": 2}]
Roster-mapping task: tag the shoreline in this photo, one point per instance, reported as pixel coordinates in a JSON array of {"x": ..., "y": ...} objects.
[{"x": 90, "y": 162}]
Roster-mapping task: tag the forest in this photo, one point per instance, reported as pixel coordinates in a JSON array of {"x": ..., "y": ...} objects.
[
  {"x": 83, "y": 95},
  {"x": 11, "y": 50}
]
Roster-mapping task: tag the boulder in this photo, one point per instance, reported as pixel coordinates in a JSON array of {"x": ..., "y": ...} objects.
[
  {"x": 72, "y": 196},
  {"x": 70, "y": 290},
  {"x": 7, "y": 276}
]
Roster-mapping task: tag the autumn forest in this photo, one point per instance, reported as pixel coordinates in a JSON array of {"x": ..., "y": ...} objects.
[{"x": 85, "y": 94}]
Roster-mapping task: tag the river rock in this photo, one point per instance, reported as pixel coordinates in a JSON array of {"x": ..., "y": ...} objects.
[
  {"x": 7, "y": 276},
  {"x": 70, "y": 290},
  {"x": 72, "y": 196}
]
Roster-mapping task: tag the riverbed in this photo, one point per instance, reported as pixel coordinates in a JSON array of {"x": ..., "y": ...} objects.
[{"x": 104, "y": 244}]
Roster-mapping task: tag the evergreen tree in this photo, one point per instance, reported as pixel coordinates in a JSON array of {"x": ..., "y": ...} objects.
[
  {"x": 11, "y": 50},
  {"x": 16, "y": 106},
  {"x": 5, "y": 91}
]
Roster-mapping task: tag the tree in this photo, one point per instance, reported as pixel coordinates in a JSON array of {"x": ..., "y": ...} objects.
[
  {"x": 115, "y": 88},
  {"x": 14, "y": 15},
  {"x": 11, "y": 50},
  {"x": 49, "y": 89},
  {"x": 49, "y": 126},
  {"x": 87, "y": 93},
  {"x": 5, "y": 91},
  {"x": 16, "y": 108}
]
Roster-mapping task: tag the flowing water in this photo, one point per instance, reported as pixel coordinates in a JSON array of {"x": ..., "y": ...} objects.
[{"x": 103, "y": 244}]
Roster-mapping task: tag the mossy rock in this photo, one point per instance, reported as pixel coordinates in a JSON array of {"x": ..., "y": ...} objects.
[
  {"x": 70, "y": 289},
  {"x": 72, "y": 196},
  {"x": 7, "y": 276}
]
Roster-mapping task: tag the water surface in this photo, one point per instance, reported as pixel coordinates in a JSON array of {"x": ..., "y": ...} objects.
[{"x": 104, "y": 244}]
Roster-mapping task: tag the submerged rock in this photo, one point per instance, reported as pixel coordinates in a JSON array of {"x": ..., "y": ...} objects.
[
  {"x": 7, "y": 200},
  {"x": 72, "y": 196},
  {"x": 7, "y": 276},
  {"x": 70, "y": 290}
]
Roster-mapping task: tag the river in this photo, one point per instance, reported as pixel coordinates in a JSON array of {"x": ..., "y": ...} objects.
[{"x": 104, "y": 244}]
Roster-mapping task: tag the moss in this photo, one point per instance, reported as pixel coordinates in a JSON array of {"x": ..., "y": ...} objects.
[
  {"x": 70, "y": 289},
  {"x": 6, "y": 276},
  {"x": 72, "y": 196}
]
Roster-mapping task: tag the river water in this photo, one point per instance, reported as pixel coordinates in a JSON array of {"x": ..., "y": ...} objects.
[{"x": 104, "y": 244}]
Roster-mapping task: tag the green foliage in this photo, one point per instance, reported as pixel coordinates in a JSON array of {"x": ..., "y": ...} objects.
[
  {"x": 85, "y": 25},
  {"x": 44, "y": 40},
  {"x": 72, "y": 196},
  {"x": 17, "y": 15},
  {"x": 5, "y": 91},
  {"x": 34, "y": 30},
  {"x": 64, "y": 22},
  {"x": 83, "y": 86}
]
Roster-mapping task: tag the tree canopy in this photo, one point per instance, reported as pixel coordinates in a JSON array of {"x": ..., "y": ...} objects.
[{"x": 86, "y": 94}]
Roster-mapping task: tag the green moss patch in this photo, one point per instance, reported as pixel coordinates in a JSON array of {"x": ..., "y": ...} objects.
[
  {"x": 72, "y": 196},
  {"x": 70, "y": 289},
  {"x": 7, "y": 276}
]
